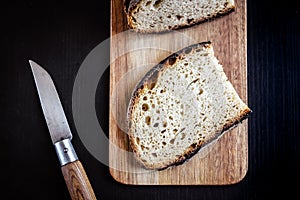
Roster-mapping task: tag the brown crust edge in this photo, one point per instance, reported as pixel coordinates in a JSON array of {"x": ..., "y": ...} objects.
[
  {"x": 130, "y": 5},
  {"x": 133, "y": 5}
]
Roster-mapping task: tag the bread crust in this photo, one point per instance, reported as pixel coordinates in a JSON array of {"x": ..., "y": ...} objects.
[
  {"x": 133, "y": 5},
  {"x": 147, "y": 81},
  {"x": 129, "y": 5}
]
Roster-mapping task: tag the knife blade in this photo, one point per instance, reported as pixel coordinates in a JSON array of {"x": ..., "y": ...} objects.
[{"x": 74, "y": 174}]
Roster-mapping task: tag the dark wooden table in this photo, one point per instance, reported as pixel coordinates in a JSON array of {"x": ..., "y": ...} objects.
[{"x": 60, "y": 36}]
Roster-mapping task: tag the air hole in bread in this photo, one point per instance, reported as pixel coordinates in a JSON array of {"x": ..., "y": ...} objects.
[
  {"x": 145, "y": 107},
  {"x": 190, "y": 20},
  {"x": 148, "y": 120},
  {"x": 201, "y": 91},
  {"x": 182, "y": 136},
  {"x": 182, "y": 130},
  {"x": 151, "y": 85},
  {"x": 154, "y": 154},
  {"x": 172, "y": 60},
  {"x": 165, "y": 124},
  {"x": 193, "y": 145},
  {"x": 133, "y": 19},
  {"x": 179, "y": 17},
  {"x": 137, "y": 140},
  {"x": 148, "y": 3},
  {"x": 172, "y": 141},
  {"x": 156, "y": 3}
]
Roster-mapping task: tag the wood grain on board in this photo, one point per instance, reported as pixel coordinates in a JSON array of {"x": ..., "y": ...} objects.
[{"x": 133, "y": 54}]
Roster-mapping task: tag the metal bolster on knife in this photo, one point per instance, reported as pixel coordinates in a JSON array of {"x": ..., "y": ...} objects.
[{"x": 65, "y": 152}]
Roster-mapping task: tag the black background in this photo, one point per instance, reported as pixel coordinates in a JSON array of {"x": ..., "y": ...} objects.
[{"x": 59, "y": 36}]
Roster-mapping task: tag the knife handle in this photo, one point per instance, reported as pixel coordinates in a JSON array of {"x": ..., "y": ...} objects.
[{"x": 77, "y": 181}]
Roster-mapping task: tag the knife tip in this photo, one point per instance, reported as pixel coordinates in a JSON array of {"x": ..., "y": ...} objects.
[
  {"x": 32, "y": 66},
  {"x": 30, "y": 62}
]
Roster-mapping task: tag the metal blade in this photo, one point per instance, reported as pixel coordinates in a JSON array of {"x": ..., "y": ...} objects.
[{"x": 53, "y": 111}]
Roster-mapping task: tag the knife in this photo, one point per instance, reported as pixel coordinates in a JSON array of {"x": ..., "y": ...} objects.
[{"x": 74, "y": 174}]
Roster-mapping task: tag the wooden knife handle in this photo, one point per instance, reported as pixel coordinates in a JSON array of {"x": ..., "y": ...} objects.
[{"x": 77, "y": 181}]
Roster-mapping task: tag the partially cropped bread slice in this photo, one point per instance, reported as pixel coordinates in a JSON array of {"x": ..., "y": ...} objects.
[
  {"x": 182, "y": 104},
  {"x": 164, "y": 15}
]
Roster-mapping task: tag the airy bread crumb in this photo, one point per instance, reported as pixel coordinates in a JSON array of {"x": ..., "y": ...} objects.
[
  {"x": 165, "y": 15},
  {"x": 182, "y": 104}
]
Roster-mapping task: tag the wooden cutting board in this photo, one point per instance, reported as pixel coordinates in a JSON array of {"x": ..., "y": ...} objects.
[{"x": 133, "y": 54}]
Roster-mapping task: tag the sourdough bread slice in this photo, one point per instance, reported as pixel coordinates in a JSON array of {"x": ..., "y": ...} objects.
[
  {"x": 165, "y": 15},
  {"x": 182, "y": 104}
]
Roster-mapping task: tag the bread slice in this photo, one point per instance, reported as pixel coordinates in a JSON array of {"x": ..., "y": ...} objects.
[
  {"x": 164, "y": 15},
  {"x": 182, "y": 104}
]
